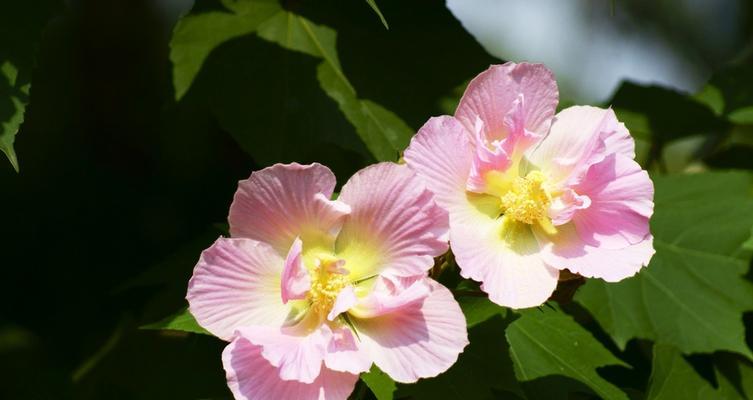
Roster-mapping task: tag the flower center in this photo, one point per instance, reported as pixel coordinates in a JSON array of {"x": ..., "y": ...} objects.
[
  {"x": 328, "y": 278},
  {"x": 527, "y": 200}
]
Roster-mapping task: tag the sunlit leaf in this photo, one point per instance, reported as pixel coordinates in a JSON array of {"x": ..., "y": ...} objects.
[
  {"x": 547, "y": 342},
  {"x": 380, "y": 383}
]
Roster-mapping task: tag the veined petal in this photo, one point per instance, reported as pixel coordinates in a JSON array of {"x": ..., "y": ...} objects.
[
  {"x": 501, "y": 254},
  {"x": 580, "y": 136},
  {"x": 346, "y": 354},
  {"x": 296, "y": 281},
  {"x": 492, "y": 94},
  {"x": 237, "y": 283},
  {"x": 390, "y": 294},
  {"x": 442, "y": 154},
  {"x": 395, "y": 225},
  {"x": 621, "y": 196},
  {"x": 251, "y": 377},
  {"x": 566, "y": 250},
  {"x": 285, "y": 201},
  {"x": 417, "y": 341},
  {"x": 297, "y": 353}
]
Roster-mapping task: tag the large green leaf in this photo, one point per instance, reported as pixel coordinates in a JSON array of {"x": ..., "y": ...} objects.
[
  {"x": 673, "y": 378},
  {"x": 692, "y": 295},
  {"x": 483, "y": 370},
  {"x": 547, "y": 342},
  {"x": 197, "y": 35}
]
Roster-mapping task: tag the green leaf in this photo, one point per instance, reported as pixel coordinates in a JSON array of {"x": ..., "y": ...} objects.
[
  {"x": 383, "y": 132},
  {"x": 673, "y": 378},
  {"x": 548, "y": 342},
  {"x": 692, "y": 295},
  {"x": 479, "y": 309},
  {"x": 380, "y": 383},
  {"x": 373, "y": 5},
  {"x": 662, "y": 113},
  {"x": 482, "y": 371},
  {"x": 180, "y": 321},
  {"x": 197, "y": 35},
  {"x": 742, "y": 116},
  {"x": 23, "y": 23},
  {"x": 730, "y": 93},
  {"x": 12, "y": 121}
]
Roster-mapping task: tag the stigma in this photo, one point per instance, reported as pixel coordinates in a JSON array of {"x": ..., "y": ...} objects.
[
  {"x": 328, "y": 278},
  {"x": 528, "y": 199}
]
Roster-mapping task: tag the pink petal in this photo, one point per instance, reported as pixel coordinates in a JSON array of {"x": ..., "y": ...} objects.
[
  {"x": 298, "y": 353},
  {"x": 346, "y": 354},
  {"x": 395, "y": 224},
  {"x": 296, "y": 281},
  {"x": 344, "y": 301},
  {"x": 488, "y": 158},
  {"x": 285, "y": 201},
  {"x": 567, "y": 250},
  {"x": 493, "y": 93},
  {"x": 391, "y": 294},
  {"x": 236, "y": 283},
  {"x": 509, "y": 267},
  {"x": 418, "y": 341},
  {"x": 563, "y": 207},
  {"x": 621, "y": 196},
  {"x": 581, "y": 136},
  {"x": 251, "y": 377},
  {"x": 442, "y": 155}
]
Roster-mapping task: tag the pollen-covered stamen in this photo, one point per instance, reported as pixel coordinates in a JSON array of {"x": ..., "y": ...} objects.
[
  {"x": 528, "y": 199},
  {"x": 328, "y": 278}
]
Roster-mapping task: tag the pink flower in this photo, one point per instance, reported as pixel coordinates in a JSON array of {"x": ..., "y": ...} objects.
[
  {"x": 312, "y": 291},
  {"x": 530, "y": 193}
]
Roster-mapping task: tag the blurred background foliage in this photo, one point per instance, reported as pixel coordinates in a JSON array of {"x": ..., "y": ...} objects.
[{"x": 130, "y": 122}]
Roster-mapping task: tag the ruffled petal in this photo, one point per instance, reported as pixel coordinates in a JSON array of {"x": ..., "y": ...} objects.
[
  {"x": 580, "y": 137},
  {"x": 251, "y": 377},
  {"x": 442, "y": 154},
  {"x": 237, "y": 283},
  {"x": 296, "y": 281},
  {"x": 297, "y": 353},
  {"x": 346, "y": 354},
  {"x": 621, "y": 196},
  {"x": 566, "y": 250},
  {"x": 344, "y": 301},
  {"x": 395, "y": 225},
  {"x": 390, "y": 294},
  {"x": 563, "y": 207},
  {"x": 417, "y": 341},
  {"x": 285, "y": 201},
  {"x": 493, "y": 93}
]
